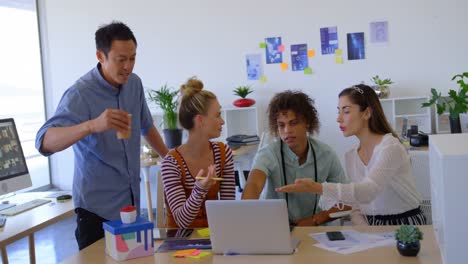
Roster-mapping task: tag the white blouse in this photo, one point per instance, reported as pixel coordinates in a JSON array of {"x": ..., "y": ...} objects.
[{"x": 385, "y": 186}]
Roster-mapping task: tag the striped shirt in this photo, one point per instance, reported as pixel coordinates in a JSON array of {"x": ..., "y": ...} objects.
[{"x": 185, "y": 209}]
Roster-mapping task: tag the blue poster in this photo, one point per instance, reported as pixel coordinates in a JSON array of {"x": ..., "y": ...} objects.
[
  {"x": 329, "y": 40},
  {"x": 254, "y": 66},
  {"x": 299, "y": 59},
  {"x": 356, "y": 46},
  {"x": 271, "y": 50}
]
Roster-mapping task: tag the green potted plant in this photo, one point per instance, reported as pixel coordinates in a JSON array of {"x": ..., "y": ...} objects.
[
  {"x": 166, "y": 98},
  {"x": 456, "y": 102},
  {"x": 243, "y": 91},
  {"x": 408, "y": 237},
  {"x": 381, "y": 86}
]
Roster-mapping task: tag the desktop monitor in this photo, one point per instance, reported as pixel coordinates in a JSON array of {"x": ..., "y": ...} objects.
[{"x": 14, "y": 173}]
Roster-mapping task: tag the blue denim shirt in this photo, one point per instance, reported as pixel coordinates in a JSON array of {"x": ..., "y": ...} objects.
[
  {"x": 329, "y": 169},
  {"x": 105, "y": 168}
]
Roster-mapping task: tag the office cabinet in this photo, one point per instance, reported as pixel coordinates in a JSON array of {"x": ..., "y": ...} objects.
[
  {"x": 407, "y": 108},
  {"x": 448, "y": 159}
]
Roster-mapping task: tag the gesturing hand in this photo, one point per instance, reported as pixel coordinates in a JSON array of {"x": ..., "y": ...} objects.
[
  {"x": 300, "y": 185},
  {"x": 110, "y": 119},
  {"x": 207, "y": 181}
]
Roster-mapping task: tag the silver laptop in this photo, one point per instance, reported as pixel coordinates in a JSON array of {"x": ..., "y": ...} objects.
[{"x": 249, "y": 227}]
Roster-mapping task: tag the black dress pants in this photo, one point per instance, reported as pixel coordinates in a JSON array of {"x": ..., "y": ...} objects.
[{"x": 88, "y": 227}]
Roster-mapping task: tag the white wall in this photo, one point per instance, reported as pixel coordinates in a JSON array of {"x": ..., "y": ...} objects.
[{"x": 210, "y": 38}]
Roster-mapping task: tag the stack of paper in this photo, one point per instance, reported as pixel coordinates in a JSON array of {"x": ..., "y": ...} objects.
[{"x": 354, "y": 241}]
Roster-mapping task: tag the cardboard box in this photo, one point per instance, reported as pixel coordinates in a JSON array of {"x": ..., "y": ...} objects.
[{"x": 127, "y": 241}]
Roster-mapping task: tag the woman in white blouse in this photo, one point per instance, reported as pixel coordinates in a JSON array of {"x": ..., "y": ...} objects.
[{"x": 382, "y": 189}]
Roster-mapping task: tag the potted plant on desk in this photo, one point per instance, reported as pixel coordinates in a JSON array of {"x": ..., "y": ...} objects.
[
  {"x": 381, "y": 86},
  {"x": 166, "y": 99},
  {"x": 243, "y": 91},
  {"x": 456, "y": 102},
  {"x": 408, "y": 237}
]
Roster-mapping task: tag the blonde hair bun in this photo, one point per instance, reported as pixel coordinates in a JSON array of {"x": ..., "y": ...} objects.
[{"x": 192, "y": 86}]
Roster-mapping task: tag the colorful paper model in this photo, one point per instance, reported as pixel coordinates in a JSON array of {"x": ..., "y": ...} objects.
[{"x": 127, "y": 241}]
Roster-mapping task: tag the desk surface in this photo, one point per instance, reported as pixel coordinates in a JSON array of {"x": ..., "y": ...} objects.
[
  {"x": 429, "y": 253},
  {"x": 28, "y": 222}
]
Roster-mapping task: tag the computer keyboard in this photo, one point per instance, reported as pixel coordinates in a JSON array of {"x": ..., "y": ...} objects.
[{"x": 24, "y": 207}]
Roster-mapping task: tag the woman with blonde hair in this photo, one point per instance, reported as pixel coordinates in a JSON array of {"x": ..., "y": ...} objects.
[
  {"x": 199, "y": 169},
  {"x": 382, "y": 189}
]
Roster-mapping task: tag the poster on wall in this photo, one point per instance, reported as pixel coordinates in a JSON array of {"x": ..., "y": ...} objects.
[
  {"x": 273, "y": 55},
  {"x": 299, "y": 58},
  {"x": 379, "y": 32},
  {"x": 356, "y": 49},
  {"x": 254, "y": 66},
  {"x": 329, "y": 40}
]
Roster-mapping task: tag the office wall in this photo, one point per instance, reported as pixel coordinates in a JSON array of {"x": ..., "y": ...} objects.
[{"x": 210, "y": 38}]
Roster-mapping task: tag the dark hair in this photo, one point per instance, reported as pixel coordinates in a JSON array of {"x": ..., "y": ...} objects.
[
  {"x": 298, "y": 102},
  {"x": 113, "y": 31},
  {"x": 195, "y": 101},
  {"x": 365, "y": 96}
]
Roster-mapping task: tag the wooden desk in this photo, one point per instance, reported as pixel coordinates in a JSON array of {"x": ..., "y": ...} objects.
[
  {"x": 26, "y": 223},
  {"x": 307, "y": 253}
]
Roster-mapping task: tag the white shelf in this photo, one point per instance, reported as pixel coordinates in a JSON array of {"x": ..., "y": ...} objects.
[
  {"x": 239, "y": 120},
  {"x": 398, "y": 109},
  {"x": 412, "y": 115}
]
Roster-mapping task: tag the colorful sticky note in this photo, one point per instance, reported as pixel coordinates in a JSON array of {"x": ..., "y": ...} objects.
[
  {"x": 311, "y": 53},
  {"x": 204, "y": 232},
  {"x": 262, "y": 45},
  {"x": 263, "y": 79},
  {"x": 201, "y": 255},
  {"x": 338, "y": 52},
  {"x": 281, "y": 48},
  {"x": 184, "y": 253},
  {"x": 284, "y": 66},
  {"x": 339, "y": 60},
  {"x": 308, "y": 70}
]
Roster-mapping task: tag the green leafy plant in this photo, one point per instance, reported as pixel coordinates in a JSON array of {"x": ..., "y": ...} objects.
[
  {"x": 408, "y": 234},
  {"x": 166, "y": 99},
  {"x": 456, "y": 102},
  {"x": 381, "y": 82},
  {"x": 243, "y": 91}
]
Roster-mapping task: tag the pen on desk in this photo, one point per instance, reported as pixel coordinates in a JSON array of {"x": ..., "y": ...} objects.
[
  {"x": 231, "y": 253},
  {"x": 214, "y": 178}
]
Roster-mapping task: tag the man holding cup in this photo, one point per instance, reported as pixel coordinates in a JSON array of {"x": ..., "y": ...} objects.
[{"x": 103, "y": 115}]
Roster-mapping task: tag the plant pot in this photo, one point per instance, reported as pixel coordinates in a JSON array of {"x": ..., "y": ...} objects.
[
  {"x": 408, "y": 249},
  {"x": 244, "y": 102},
  {"x": 172, "y": 137},
  {"x": 382, "y": 91},
  {"x": 455, "y": 126}
]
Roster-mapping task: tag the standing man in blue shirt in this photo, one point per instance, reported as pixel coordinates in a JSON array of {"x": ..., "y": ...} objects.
[
  {"x": 295, "y": 154},
  {"x": 106, "y": 169}
]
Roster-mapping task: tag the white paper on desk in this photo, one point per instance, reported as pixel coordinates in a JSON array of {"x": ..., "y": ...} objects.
[{"x": 354, "y": 241}]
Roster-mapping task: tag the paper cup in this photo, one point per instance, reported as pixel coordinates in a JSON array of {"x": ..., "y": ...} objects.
[{"x": 128, "y": 214}]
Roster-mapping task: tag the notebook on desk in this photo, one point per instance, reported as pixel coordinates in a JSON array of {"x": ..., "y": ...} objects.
[{"x": 249, "y": 227}]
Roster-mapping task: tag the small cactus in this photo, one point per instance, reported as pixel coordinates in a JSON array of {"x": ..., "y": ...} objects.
[{"x": 408, "y": 234}]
